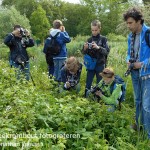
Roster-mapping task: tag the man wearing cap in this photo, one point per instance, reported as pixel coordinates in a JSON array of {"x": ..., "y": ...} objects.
[{"x": 103, "y": 89}]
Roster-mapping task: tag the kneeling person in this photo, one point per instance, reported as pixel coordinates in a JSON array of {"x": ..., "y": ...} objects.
[
  {"x": 70, "y": 74},
  {"x": 103, "y": 90}
]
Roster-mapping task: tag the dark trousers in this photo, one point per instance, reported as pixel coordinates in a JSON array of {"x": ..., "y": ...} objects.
[{"x": 91, "y": 74}]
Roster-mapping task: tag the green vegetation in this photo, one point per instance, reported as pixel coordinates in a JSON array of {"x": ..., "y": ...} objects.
[
  {"x": 37, "y": 117},
  {"x": 38, "y": 113}
]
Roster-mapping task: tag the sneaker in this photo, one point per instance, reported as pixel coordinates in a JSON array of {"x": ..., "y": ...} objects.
[{"x": 134, "y": 127}]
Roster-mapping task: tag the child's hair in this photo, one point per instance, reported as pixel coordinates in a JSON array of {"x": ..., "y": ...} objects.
[
  {"x": 57, "y": 24},
  {"x": 96, "y": 23}
]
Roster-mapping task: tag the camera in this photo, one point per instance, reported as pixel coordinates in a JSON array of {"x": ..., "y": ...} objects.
[
  {"x": 20, "y": 60},
  {"x": 94, "y": 89},
  {"x": 23, "y": 32},
  {"x": 72, "y": 82},
  {"x": 132, "y": 60},
  {"x": 90, "y": 45}
]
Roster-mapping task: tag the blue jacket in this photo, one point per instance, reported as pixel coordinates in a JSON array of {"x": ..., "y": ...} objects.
[
  {"x": 62, "y": 39},
  {"x": 144, "y": 52},
  {"x": 17, "y": 46}
]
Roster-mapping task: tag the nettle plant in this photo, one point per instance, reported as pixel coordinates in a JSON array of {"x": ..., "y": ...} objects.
[{"x": 42, "y": 109}]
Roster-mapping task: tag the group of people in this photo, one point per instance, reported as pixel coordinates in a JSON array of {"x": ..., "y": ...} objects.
[{"x": 68, "y": 70}]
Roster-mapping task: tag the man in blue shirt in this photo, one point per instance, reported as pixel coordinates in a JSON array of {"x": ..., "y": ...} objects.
[{"x": 139, "y": 54}]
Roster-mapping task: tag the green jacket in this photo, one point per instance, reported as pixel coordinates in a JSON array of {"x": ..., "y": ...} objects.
[{"x": 108, "y": 97}]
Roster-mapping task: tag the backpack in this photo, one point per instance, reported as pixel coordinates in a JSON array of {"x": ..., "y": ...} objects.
[
  {"x": 147, "y": 37},
  {"x": 54, "y": 47},
  {"x": 119, "y": 80}
]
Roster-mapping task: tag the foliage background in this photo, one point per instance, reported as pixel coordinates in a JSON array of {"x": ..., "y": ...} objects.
[{"x": 28, "y": 109}]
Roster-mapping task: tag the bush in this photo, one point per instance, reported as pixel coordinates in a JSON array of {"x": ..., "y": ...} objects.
[{"x": 116, "y": 38}]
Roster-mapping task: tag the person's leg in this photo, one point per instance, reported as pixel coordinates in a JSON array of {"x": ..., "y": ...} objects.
[
  {"x": 61, "y": 63},
  {"x": 146, "y": 105},
  {"x": 89, "y": 80},
  {"x": 17, "y": 69},
  {"x": 56, "y": 67},
  {"x": 50, "y": 70},
  {"x": 98, "y": 70},
  {"x": 136, "y": 82},
  {"x": 26, "y": 71}
]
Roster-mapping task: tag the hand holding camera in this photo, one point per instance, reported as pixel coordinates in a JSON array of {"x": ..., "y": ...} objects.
[
  {"x": 62, "y": 28},
  {"x": 130, "y": 66},
  {"x": 98, "y": 93},
  {"x": 91, "y": 45},
  {"x": 16, "y": 32},
  {"x": 67, "y": 85}
]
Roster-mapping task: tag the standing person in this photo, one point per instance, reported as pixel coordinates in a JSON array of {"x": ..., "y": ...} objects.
[
  {"x": 18, "y": 41},
  {"x": 48, "y": 56},
  {"x": 62, "y": 38},
  {"x": 70, "y": 74},
  {"x": 96, "y": 47},
  {"x": 139, "y": 55}
]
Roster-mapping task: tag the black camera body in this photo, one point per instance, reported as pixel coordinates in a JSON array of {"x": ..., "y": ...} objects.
[
  {"x": 90, "y": 45},
  {"x": 96, "y": 88},
  {"x": 72, "y": 83},
  {"x": 132, "y": 61},
  {"x": 20, "y": 60},
  {"x": 23, "y": 32}
]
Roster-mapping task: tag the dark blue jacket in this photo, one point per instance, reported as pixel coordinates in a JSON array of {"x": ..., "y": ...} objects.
[
  {"x": 18, "y": 46},
  {"x": 66, "y": 76}
]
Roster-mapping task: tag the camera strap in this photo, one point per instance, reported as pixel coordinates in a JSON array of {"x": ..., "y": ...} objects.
[{"x": 132, "y": 50}]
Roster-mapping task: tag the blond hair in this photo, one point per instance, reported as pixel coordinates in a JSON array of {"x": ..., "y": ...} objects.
[
  {"x": 57, "y": 24},
  {"x": 72, "y": 62},
  {"x": 96, "y": 23}
]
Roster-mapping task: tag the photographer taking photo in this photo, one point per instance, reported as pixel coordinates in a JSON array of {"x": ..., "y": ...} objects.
[
  {"x": 70, "y": 74},
  {"x": 107, "y": 90},
  {"x": 18, "y": 41},
  {"x": 97, "y": 48}
]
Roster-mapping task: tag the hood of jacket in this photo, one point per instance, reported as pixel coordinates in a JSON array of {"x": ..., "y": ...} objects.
[{"x": 53, "y": 32}]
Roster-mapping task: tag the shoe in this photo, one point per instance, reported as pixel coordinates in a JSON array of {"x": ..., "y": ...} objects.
[{"x": 134, "y": 127}]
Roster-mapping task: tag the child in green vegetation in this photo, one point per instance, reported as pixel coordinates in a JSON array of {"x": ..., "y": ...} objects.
[{"x": 102, "y": 91}]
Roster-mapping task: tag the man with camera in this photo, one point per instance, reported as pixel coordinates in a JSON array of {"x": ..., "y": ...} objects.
[
  {"x": 62, "y": 39},
  {"x": 97, "y": 48},
  {"x": 139, "y": 51},
  {"x": 18, "y": 41}
]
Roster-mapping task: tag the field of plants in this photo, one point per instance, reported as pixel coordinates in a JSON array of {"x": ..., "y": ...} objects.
[{"x": 38, "y": 118}]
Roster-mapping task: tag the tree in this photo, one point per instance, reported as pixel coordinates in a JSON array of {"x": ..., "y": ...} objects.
[
  {"x": 39, "y": 23},
  {"x": 25, "y": 7},
  {"x": 8, "y": 18}
]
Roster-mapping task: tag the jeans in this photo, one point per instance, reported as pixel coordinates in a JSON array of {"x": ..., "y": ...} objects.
[
  {"x": 21, "y": 70},
  {"x": 91, "y": 74},
  {"x": 146, "y": 105},
  {"x": 142, "y": 100},
  {"x": 57, "y": 68}
]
